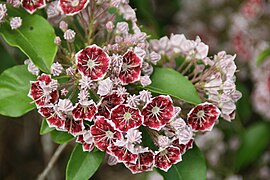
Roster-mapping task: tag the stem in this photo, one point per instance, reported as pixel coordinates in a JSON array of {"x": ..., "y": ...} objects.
[{"x": 52, "y": 161}]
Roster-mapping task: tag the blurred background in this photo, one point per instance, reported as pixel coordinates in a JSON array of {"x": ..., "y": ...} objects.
[{"x": 233, "y": 151}]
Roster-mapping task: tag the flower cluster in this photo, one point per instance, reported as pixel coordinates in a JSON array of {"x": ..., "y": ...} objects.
[
  {"x": 214, "y": 78},
  {"x": 96, "y": 89}
]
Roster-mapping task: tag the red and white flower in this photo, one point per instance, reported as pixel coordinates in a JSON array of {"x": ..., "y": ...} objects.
[
  {"x": 32, "y": 5},
  {"x": 44, "y": 90},
  {"x": 131, "y": 68},
  {"x": 145, "y": 162},
  {"x": 104, "y": 134},
  {"x": 93, "y": 62},
  {"x": 120, "y": 150},
  {"x": 158, "y": 112},
  {"x": 86, "y": 140},
  {"x": 165, "y": 158},
  {"x": 72, "y": 7},
  {"x": 126, "y": 117},
  {"x": 203, "y": 117},
  {"x": 74, "y": 127},
  {"x": 107, "y": 103},
  {"x": 53, "y": 120},
  {"x": 85, "y": 111}
]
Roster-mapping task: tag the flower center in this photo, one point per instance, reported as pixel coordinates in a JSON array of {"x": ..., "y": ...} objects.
[
  {"x": 164, "y": 153},
  {"x": 109, "y": 134},
  {"x": 155, "y": 110},
  {"x": 125, "y": 67},
  {"x": 91, "y": 63},
  {"x": 200, "y": 114},
  {"x": 127, "y": 116},
  {"x": 74, "y": 3}
]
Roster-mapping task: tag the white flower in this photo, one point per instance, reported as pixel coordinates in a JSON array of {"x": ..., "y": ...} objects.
[
  {"x": 154, "y": 57},
  {"x": 64, "y": 105},
  {"x": 15, "y": 22},
  {"x": 178, "y": 124},
  {"x": 69, "y": 35},
  {"x": 134, "y": 136},
  {"x": 121, "y": 91},
  {"x": 163, "y": 141},
  {"x": 185, "y": 135},
  {"x": 70, "y": 71},
  {"x": 145, "y": 96},
  {"x": 31, "y": 67},
  {"x": 64, "y": 92},
  {"x": 105, "y": 87},
  {"x": 140, "y": 52},
  {"x": 3, "y": 12},
  {"x": 56, "y": 69},
  {"x": 83, "y": 96},
  {"x": 85, "y": 82},
  {"x": 145, "y": 81},
  {"x": 122, "y": 27},
  {"x": 133, "y": 100}
]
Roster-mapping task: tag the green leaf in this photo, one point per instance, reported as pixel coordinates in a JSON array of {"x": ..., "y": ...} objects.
[
  {"x": 254, "y": 141},
  {"x": 7, "y": 60},
  {"x": 262, "y": 56},
  {"x": 35, "y": 38},
  {"x": 169, "y": 81},
  {"x": 44, "y": 129},
  {"x": 191, "y": 167},
  {"x": 14, "y": 87},
  {"x": 61, "y": 137},
  {"x": 82, "y": 165}
]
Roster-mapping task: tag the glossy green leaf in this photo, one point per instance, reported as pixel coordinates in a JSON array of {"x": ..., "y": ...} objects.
[
  {"x": 169, "y": 81},
  {"x": 192, "y": 166},
  {"x": 262, "y": 56},
  {"x": 83, "y": 165},
  {"x": 14, "y": 87},
  {"x": 61, "y": 137},
  {"x": 254, "y": 141},
  {"x": 35, "y": 38},
  {"x": 44, "y": 128}
]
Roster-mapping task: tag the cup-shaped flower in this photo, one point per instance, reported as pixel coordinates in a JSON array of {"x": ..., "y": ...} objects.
[
  {"x": 107, "y": 103},
  {"x": 131, "y": 68},
  {"x": 44, "y": 90},
  {"x": 203, "y": 117},
  {"x": 104, "y": 133},
  {"x": 165, "y": 158},
  {"x": 144, "y": 163},
  {"x": 85, "y": 111},
  {"x": 158, "y": 112},
  {"x": 126, "y": 117},
  {"x": 72, "y": 7},
  {"x": 32, "y": 5},
  {"x": 93, "y": 62}
]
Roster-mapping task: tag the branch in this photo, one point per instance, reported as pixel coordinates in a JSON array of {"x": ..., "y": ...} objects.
[{"x": 52, "y": 161}]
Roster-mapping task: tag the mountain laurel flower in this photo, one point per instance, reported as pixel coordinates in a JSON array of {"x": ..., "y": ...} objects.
[
  {"x": 32, "y": 5},
  {"x": 97, "y": 92},
  {"x": 63, "y": 26},
  {"x": 57, "y": 40},
  {"x": 69, "y": 35},
  {"x": 105, "y": 87},
  {"x": 15, "y": 22},
  {"x": 203, "y": 117},
  {"x": 93, "y": 62},
  {"x": 56, "y": 69},
  {"x": 109, "y": 26},
  {"x": 72, "y": 7},
  {"x": 3, "y": 12},
  {"x": 145, "y": 96},
  {"x": 14, "y": 3},
  {"x": 31, "y": 67},
  {"x": 145, "y": 81}
]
